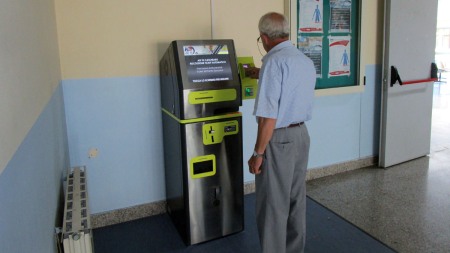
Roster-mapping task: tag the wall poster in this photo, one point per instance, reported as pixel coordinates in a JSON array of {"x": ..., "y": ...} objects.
[
  {"x": 328, "y": 32},
  {"x": 312, "y": 47},
  {"x": 339, "y": 64},
  {"x": 340, "y": 15},
  {"x": 311, "y": 18}
]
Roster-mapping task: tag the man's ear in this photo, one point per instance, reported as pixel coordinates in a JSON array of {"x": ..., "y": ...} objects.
[{"x": 265, "y": 38}]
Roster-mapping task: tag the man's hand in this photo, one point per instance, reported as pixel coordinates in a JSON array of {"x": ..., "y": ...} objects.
[
  {"x": 252, "y": 72},
  {"x": 254, "y": 164},
  {"x": 265, "y": 131}
]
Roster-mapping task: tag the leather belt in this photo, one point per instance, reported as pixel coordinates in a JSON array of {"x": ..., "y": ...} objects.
[
  {"x": 291, "y": 125},
  {"x": 296, "y": 124}
]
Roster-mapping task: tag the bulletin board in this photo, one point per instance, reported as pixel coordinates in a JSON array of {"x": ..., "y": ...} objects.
[{"x": 328, "y": 32}]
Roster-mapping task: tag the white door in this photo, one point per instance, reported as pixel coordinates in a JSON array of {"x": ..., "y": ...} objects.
[{"x": 410, "y": 35}]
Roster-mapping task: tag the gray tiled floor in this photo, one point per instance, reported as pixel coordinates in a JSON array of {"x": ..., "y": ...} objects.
[{"x": 406, "y": 206}]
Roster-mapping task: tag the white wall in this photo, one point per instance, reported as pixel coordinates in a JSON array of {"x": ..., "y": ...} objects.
[
  {"x": 109, "y": 57},
  {"x": 117, "y": 110},
  {"x": 33, "y": 138},
  {"x": 29, "y": 68}
]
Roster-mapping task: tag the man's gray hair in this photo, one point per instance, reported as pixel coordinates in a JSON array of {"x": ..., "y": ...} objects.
[{"x": 274, "y": 25}]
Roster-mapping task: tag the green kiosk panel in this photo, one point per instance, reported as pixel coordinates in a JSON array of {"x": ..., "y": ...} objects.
[
  {"x": 249, "y": 85},
  {"x": 213, "y": 133},
  {"x": 203, "y": 166}
]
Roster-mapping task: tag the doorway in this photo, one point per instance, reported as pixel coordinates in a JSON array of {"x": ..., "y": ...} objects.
[{"x": 440, "y": 132}]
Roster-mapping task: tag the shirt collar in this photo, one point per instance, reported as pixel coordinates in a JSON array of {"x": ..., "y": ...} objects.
[{"x": 278, "y": 47}]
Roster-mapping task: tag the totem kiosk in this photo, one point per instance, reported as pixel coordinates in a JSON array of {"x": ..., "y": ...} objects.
[{"x": 202, "y": 128}]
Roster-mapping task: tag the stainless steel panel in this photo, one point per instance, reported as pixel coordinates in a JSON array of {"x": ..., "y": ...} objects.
[{"x": 215, "y": 202}]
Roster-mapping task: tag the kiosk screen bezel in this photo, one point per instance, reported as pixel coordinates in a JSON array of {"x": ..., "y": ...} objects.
[{"x": 221, "y": 57}]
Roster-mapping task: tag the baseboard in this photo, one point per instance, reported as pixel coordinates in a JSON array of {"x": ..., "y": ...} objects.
[
  {"x": 155, "y": 208},
  {"x": 127, "y": 214},
  {"x": 334, "y": 169}
]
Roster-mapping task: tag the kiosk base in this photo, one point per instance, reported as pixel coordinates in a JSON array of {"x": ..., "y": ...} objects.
[{"x": 204, "y": 177}]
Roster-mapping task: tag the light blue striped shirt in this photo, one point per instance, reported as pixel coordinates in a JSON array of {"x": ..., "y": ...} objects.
[{"x": 286, "y": 86}]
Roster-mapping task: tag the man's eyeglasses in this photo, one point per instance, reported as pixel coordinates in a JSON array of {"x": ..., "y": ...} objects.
[{"x": 258, "y": 42}]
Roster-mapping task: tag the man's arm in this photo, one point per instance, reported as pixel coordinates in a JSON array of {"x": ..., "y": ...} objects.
[{"x": 265, "y": 131}]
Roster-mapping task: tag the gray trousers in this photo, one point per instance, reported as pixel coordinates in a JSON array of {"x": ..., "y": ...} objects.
[{"x": 281, "y": 192}]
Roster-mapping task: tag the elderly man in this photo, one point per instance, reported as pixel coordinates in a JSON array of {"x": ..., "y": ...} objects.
[{"x": 280, "y": 158}]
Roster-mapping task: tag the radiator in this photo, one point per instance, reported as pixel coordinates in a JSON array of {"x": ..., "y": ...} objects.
[{"x": 77, "y": 232}]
